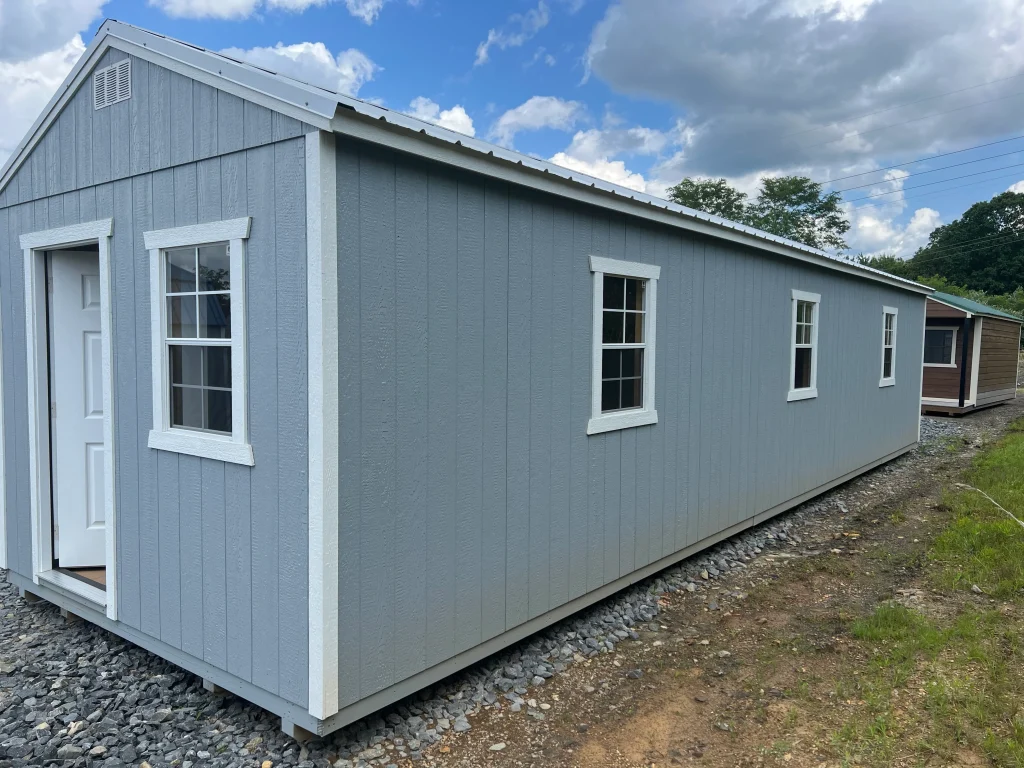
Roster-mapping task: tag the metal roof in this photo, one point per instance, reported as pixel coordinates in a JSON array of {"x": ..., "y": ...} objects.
[
  {"x": 322, "y": 108},
  {"x": 973, "y": 307}
]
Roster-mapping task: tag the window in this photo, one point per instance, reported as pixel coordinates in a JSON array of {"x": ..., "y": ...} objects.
[
  {"x": 625, "y": 302},
  {"x": 940, "y": 347},
  {"x": 888, "y": 378},
  {"x": 803, "y": 370},
  {"x": 197, "y": 276}
]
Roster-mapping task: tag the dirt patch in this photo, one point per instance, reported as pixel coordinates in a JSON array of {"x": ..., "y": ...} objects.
[{"x": 761, "y": 668}]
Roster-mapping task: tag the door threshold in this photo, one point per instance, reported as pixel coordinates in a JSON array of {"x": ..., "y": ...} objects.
[{"x": 76, "y": 585}]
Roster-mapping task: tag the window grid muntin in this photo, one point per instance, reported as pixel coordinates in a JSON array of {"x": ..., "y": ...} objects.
[
  {"x": 198, "y": 340},
  {"x": 803, "y": 342},
  {"x": 611, "y": 307},
  {"x": 888, "y": 345}
]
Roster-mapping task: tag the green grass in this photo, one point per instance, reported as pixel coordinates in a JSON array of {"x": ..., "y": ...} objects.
[
  {"x": 983, "y": 546},
  {"x": 935, "y": 686}
]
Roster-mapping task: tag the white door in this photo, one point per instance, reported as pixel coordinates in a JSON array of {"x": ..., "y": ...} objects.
[{"x": 76, "y": 388}]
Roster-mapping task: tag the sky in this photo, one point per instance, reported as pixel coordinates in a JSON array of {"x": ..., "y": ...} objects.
[{"x": 638, "y": 92}]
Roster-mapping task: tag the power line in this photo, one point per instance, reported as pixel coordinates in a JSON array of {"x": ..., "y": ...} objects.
[
  {"x": 971, "y": 250},
  {"x": 905, "y": 104},
  {"x": 930, "y": 183},
  {"x": 914, "y": 120},
  {"x": 933, "y": 170},
  {"x": 940, "y": 191},
  {"x": 972, "y": 241},
  {"x": 925, "y": 159}
]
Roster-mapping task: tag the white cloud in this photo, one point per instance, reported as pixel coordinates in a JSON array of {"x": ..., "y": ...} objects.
[
  {"x": 1018, "y": 188},
  {"x": 30, "y": 28},
  {"x": 614, "y": 171},
  {"x": 313, "y": 63},
  {"x": 874, "y": 230},
  {"x": 26, "y": 86},
  {"x": 366, "y": 10},
  {"x": 519, "y": 28},
  {"x": 455, "y": 119},
  {"x": 207, "y": 9},
  {"x": 536, "y": 113}
]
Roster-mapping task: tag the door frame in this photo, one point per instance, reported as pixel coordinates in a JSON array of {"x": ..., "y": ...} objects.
[{"x": 35, "y": 245}]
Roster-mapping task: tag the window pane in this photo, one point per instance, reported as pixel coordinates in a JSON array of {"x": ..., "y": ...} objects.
[
  {"x": 181, "y": 270},
  {"x": 181, "y": 317},
  {"x": 215, "y": 316},
  {"x": 635, "y": 294},
  {"x": 218, "y": 410},
  {"x": 632, "y": 363},
  {"x": 938, "y": 347},
  {"x": 634, "y": 328},
  {"x": 612, "y": 333},
  {"x": 186, "y": 365},
  {"x": 218, "y": 367},
  {"x": 187, "y": 407},
  {"x": 887, "y": 365},
  {"x": 632, "y": 393},
  {"x": 214, "y": 268},
  {"x": 611, "y": 364},
  {"x": 610, "y": 395},
  {"x": 802, "y": 370},
  {"x": 614, "y": 291}
]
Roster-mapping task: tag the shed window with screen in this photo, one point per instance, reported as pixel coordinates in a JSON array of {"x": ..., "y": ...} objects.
[
  {"x": 803, "y": 370},
  {"x": 940, "y": 347},
  {"x": 197, "y": 276},
  {"x": 888, "y": 377},
  {"x": 625, "y": 305}
]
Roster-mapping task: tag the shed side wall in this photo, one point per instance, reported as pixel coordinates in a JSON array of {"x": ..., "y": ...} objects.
[
  {"x": 212, "y": 557},
  {"x": 997, "y": 369},
  {"x": 472, "y": 499},
  {"x": 941, "y": 382}
]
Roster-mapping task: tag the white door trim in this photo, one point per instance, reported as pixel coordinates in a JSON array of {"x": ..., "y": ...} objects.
[{"x": 34, "y": 245}]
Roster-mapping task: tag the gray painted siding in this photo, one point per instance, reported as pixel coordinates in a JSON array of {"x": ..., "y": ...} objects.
[
  {"x": 212, "y": 557},
  {"x": 169, "y": 120},
  {"x": 471, "y": 497}
]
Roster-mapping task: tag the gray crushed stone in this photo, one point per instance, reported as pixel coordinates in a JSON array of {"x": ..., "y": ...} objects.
[{"x": 75, "y": 695}]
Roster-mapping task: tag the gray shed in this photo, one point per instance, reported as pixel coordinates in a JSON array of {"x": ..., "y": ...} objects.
[{"x": 323, "y": 403}]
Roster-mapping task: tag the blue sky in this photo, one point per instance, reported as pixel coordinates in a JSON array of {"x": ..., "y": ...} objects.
[{"x": 640, "y": 92}]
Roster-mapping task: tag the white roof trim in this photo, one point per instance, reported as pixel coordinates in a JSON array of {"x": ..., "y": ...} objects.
[{"x": 327, "y": 110}]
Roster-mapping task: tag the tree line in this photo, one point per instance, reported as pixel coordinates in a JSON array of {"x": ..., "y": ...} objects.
[{"x": 979, "y": 255}]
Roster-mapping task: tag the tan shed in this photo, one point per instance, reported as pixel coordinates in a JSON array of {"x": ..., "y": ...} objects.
[{"x": 970, "y": 355}]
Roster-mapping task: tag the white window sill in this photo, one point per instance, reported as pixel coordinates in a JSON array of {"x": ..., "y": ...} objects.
[
  {"x": 621, "y": 420},
  {"x": 802, "y": 394},
  {"x": 887, "y": 382},
  {"x": 940, "y": 365},
  {"x": 203, "y": 446}
]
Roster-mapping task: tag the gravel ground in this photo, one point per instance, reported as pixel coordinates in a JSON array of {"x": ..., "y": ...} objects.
[{"x": 74, "y": 695}]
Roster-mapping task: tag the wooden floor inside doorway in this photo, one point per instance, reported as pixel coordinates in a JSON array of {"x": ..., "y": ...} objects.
[{"x": 95, "y": 576}]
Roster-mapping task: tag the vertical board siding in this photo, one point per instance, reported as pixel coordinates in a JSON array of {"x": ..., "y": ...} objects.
[
  {"x": 472, "y": 498},
  {"x": 211, "y": 556}
]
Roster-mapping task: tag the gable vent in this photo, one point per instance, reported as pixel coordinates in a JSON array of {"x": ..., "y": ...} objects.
[{"x": 112, "y": 84}]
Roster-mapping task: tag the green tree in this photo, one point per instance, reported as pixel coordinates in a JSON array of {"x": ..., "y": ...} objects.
[
  {"x": 983, "y": 250},
  {"x": 795, "y": 207},
  {"x": 714, "y": 196},
  {"x": 888, "y": 262}
]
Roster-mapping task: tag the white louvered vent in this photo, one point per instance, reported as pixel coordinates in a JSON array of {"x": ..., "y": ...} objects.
[{"x": 112, "y": 84}]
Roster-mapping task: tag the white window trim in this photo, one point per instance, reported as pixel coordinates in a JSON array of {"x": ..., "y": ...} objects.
[
  {"x": 638, "y": 417},
  {"x": 883, "y": 380},
  {"x": 234, "y": 448},
  {"x": 805, "y": 393},
  {"x": 952, "y": 357}
]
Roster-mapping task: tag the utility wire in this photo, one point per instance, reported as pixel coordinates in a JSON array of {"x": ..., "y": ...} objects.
[
  {"x": 906, "y": 104},
  {"x": 925, "y": 159},
  {"x": 956, "y": 246},
  {"x": 933, "y": 170},
  {"x": 930, "y": 183},
  {"x": 940, "y": 191}
]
